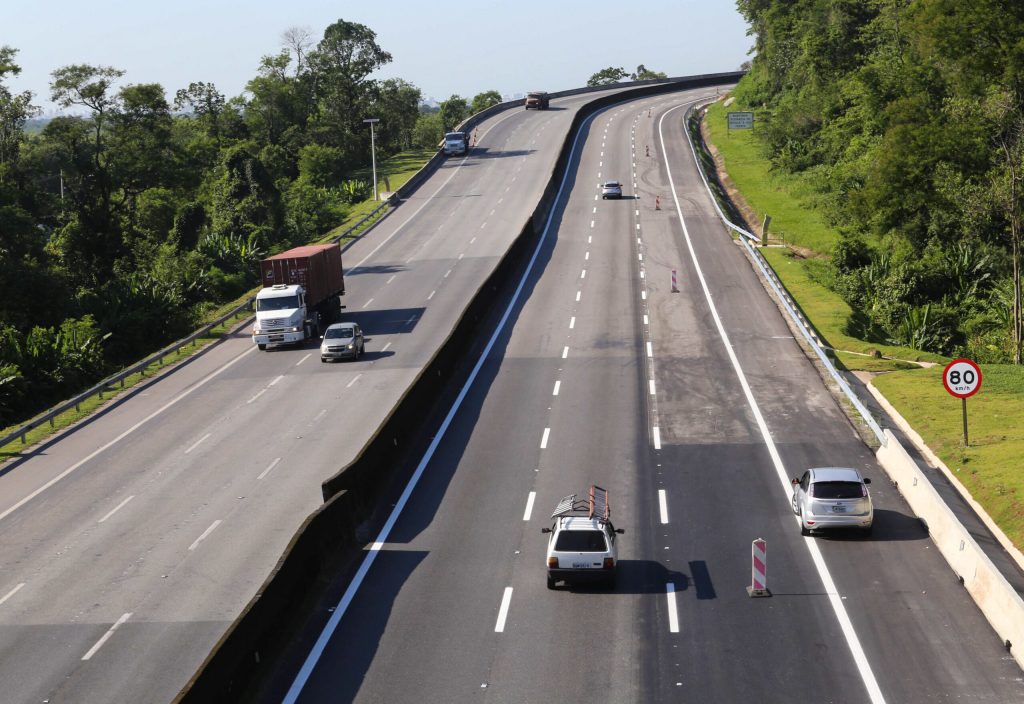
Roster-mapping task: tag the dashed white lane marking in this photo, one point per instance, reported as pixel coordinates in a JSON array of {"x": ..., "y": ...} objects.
[
  {"x": 673, "y": 615},
  {"x": 544, "y": 438},
  {"x": 643, "y": 295},
  {"x": 602, "y": 153},
  {"x": 277, "y": 379},
  {"x": 590, "y": 239},
  {"x": 471, "y": 241},
  {"x": 258, "y": 394},
  {"x": 506, "y": 599},
  {"x": 650, "y": 350},
  {"x": 106, "y": 636},
  {"x": 640, "y": 256},
  {"x": 499, "y": 202},
  {"x": 595, "y": 208},
  {"x": 320, "y": 415},
  {"x": 354, "y": 380},
  {"x": 657, "y": 438},
  {"x": 205, "y": 535},
  {"x": 385, "y": 347},
  {"x": 196, "y": 443},
  {"x": 391, "y": 279},
  {"x": 643, "y": 275},
  {"x": 558, "y": 385},
  {"x": 529, "y": 505},
  {"x": 591, "y": 223},
  {"x": 572, "y": 322},
  {"x": 431, "y": 294},
  {"x": 304, "y": 359},
  {"x": 447, "y": 273},
  {"x": 583, "y": 274},
  {"x": 595, "y": 196},
  {"x": 846, "y": 625},
  {"x": 11, "y": 593},
  {"x": 461, "y": 255},
  {"x": 116, "y": 509},
  {"x": 638, "y": 213},
  {"x": 565, "y": 352},
  {"x": 638, "y": 224},
  {"x": 600, "y": 163},
  {"x": 491, "y": 213},
  {"x": 270, "y": 466},
  {"x": 646, "y": 320},
  {"x": 663, "y": 505},
  {"x": 586, "y": 257},
  {"x": 368, "y": 303},
  {"x": 599, "y": 175},
  {"x": 650, "y": 384},
  {"x": 578, "y": 294},
  {"x": 483, "y": 224}
]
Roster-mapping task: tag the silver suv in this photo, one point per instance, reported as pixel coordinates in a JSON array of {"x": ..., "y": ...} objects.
[
  {"x": 581, "y": 546},
  {"x": 832, "y": 497},
  {"x": 611, "y": 189},
  {"x": 340, "y": 341}
]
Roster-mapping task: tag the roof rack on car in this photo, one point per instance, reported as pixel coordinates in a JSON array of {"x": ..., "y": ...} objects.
[{"x": 594, "y": 506}]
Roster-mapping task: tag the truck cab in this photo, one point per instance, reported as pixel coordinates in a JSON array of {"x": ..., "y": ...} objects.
[
  {"x": 456, "y": 143},
  {"x": 280, "y": 316},
  {"x": 537, "y": 99}
]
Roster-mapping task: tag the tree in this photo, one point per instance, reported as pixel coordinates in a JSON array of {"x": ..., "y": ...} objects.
[
  {"x": 14, "y": 111},
  {"x": 397, "y": 105},
  {"x": 453, "y": 111},
  {"x": 643, "y": 73},
  {"x": 607, "y": 76},
  {"x": 482, "y": 101},
  {"x": 205, "y": 102}
]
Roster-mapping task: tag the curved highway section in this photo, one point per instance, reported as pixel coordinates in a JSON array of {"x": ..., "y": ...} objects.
[
  {"x": 693, "y": 408},
  {"x": 131, "y": 542}
]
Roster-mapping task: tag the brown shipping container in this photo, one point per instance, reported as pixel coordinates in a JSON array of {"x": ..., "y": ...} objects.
[{"x": 316, "y": 267}]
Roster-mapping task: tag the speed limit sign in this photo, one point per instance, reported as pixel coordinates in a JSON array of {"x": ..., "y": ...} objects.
[{"x": 962, "y": 378}]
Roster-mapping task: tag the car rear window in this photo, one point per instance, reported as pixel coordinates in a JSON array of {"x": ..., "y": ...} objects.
[
  {"x": 836, "y": 490},
  {"x": 581, "y": 541}
]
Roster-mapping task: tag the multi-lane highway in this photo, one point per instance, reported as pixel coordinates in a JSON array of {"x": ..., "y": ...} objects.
[
  {"x": 693, "y": 408},
  {"x": 132, "y": 542}
]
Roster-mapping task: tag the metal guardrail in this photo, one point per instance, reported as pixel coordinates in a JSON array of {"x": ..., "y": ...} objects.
[{"x": 788, "y": 303}]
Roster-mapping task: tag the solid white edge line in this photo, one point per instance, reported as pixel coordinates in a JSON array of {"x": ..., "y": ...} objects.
[
  {"x": 657, "y": 438},
  {"x": 526, "y": 513},
  {"x": 11, "y": 593},
  {"x": 205, "y": 535},
  {"x": 506, "y": 599},
  {"x": 856, "y": 650},
  {"x": 266, "y": 471},
  {"x": 332, "y": 624},
  {"x": 673, "y": 614},
  {"x": 544, "y": 439},
  {"x": 197, "y": 443},
  {"x": 123, "y": 435},
  {"x": 106, "y": 636},
  {"x": 114, "y": 510},
  {"x": 663, "y": 505}
]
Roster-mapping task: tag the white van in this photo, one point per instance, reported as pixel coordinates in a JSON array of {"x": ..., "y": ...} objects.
[{"x": 456, "y": 143}]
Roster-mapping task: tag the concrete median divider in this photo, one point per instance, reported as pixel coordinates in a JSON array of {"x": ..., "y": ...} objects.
[
  {"x": 242, "y": 657},
  {"x": 996, "y": 598}
]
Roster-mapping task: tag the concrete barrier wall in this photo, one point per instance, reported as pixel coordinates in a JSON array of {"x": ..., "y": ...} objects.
[
  {"x": 242, "y": 657},
  {"x": 996, "y": 598}
]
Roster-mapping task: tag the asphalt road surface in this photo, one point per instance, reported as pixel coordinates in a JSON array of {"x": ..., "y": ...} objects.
[
  {"x": 131, "y": 543},
  {"x": 693, "y": 409}
]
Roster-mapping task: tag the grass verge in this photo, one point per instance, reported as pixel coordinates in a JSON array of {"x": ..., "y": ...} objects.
[{"x": 990, "y": 466}]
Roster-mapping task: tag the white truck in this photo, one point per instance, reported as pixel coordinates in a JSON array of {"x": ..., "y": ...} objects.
[
  {"x": 456, "y": 143},
  {"x": 300, "y": 296}
]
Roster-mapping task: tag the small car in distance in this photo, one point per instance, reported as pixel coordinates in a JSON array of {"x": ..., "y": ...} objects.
[
  {"x": 611, "y": 189},
  {"x": 581, "y": 546},
  {"x": 833, "y": 497},
  {"x": 341, "y": 341}
]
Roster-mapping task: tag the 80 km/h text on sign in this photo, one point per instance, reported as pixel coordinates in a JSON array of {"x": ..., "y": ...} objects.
[{"x": 962, "y": 378}]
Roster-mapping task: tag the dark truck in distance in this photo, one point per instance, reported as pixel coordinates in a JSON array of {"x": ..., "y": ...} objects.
[
  {"x": 537, "y": 99},
  {"x": 301, "y": 295}
]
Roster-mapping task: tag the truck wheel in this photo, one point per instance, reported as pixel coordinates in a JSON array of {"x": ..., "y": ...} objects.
[{"x": 262, "y": 346}]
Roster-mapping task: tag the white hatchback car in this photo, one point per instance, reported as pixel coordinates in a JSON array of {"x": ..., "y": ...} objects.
[
  {"x": 582, "y": 543},
  {"x": 611, "y": 189},
  {"x": 833, "y": 497}
]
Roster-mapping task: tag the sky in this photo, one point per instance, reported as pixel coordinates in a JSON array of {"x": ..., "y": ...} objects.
[{"x": 442, "y": 47}]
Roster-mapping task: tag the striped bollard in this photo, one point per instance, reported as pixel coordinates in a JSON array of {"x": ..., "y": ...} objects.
[
  {"x": 675, "y": 284},
  {"x": 758, "y": 569}
]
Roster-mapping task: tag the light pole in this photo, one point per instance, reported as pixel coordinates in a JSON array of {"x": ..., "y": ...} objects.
[{"x": 373, "y": 153}]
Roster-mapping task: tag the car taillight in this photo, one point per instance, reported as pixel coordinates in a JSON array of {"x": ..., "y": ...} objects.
[
  {"x": 553, "y": 563},
  {"x": 609, "y": 563}
]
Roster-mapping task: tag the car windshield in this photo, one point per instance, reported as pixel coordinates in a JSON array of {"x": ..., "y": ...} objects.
[
  {"x": 453, "y": 137},
  {"x": 581, "y": 541},
  {"x": 836, "y": 490},
  {"x": 333, "y": 333},
  {"x": 612, "y": 184},
  {"x": 277, "y": 303}
]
